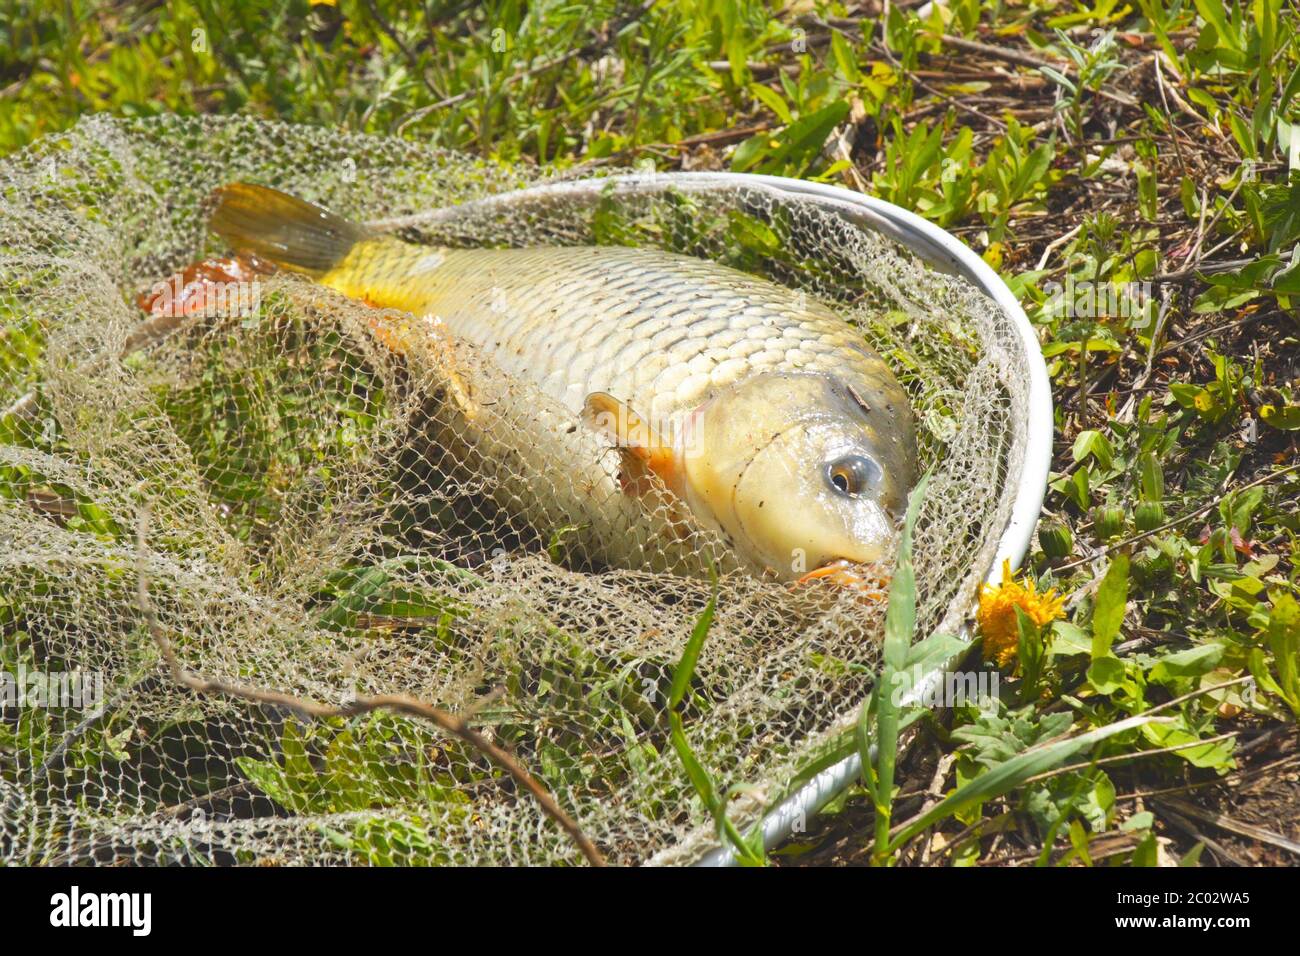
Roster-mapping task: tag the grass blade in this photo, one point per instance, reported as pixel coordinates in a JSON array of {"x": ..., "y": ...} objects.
[
  {"x": 900, "y": 625},
  {"x": 1007, "y": 776}
]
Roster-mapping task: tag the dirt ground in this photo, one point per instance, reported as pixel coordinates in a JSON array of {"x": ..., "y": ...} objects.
[{"x": 1246, "y": 818}]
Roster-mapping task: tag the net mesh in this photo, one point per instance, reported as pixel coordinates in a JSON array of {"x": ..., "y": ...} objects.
[{"x": 299, "y": 507}]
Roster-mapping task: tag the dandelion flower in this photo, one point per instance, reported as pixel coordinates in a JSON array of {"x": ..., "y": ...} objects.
[{"x": 997, "y": 613}]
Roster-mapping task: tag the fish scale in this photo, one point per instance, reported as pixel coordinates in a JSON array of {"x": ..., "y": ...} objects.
[{"x": 659, "y": 330}]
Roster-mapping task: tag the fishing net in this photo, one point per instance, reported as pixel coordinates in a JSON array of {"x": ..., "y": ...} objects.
[{"x": 271, "y": 502}]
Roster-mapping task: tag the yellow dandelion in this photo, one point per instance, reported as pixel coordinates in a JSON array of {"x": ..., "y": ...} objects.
[{"x": 997, "y": 613}]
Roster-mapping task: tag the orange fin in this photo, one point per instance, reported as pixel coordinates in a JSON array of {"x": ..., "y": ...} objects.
[
  {"x": 427, "y": 342},
  {"x": 854, "y": 577},
  {"x": 396, "y": 336},
  {"x": 283, "y": 229},
  {"x": 644, "y": 450}
]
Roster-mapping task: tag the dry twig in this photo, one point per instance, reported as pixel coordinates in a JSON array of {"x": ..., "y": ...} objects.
[{"x": 397, "y": 703}]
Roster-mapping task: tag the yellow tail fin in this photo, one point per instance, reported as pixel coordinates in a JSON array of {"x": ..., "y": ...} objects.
[{"x": 283, "y": 229}]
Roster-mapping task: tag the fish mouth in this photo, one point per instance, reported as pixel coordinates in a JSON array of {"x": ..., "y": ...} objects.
[{"x": 865, "y": 579}]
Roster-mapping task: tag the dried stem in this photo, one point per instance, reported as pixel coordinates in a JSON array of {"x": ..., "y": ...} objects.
[{"x": 397, "y": 703}]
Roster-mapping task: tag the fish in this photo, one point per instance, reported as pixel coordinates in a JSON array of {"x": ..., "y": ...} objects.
[{"x": 676, "y": 390}]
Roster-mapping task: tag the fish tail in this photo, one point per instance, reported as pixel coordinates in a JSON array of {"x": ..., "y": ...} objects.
[{"x": 282, "y": 229}]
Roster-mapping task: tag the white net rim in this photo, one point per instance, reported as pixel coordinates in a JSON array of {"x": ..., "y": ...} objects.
[{"x": 945, "y": 252}]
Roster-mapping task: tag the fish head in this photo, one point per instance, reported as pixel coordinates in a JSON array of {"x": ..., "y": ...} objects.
[{"x": 803, "y": 472}]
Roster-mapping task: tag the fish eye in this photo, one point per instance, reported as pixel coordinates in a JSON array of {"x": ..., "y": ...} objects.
[{"x": 852, "y": 474}]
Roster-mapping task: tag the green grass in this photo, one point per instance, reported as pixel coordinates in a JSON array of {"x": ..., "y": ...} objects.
[{"x": 1155, "y": 142}]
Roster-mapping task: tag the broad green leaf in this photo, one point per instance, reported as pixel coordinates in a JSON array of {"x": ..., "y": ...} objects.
[
  {"x": 1091, "y": 442},
  {"x": 1007, "y": 776},
  {"x": 1107, "y": 674},
  {"x": 773, "y": 101},
  {"x": 1111, "y": 603},
  {"x": 1070, "y": 639},
  {"x": 1192, "y": 662}
]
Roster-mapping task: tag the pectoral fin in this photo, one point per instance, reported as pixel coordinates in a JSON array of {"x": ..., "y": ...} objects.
[
  {"x": 425, "y": 342},
  {"x": 644, "y": 450},
  {"x": 851, "y": 576}
]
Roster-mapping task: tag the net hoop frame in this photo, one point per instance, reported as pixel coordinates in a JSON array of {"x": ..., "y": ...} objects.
[{"x": 943, "y": 252}]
